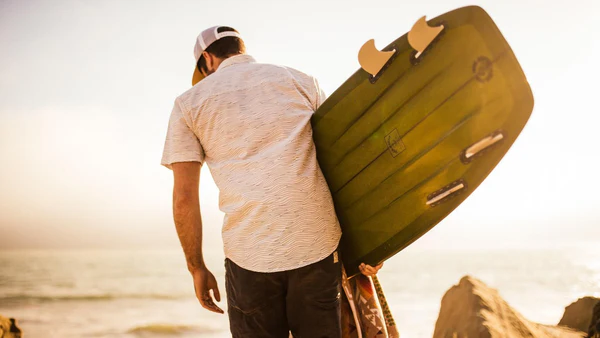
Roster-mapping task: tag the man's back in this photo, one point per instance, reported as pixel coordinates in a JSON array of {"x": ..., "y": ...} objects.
[{"x": 253, "y": 125}]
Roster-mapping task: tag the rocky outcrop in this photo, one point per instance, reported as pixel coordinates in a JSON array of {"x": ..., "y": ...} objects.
[
  {"x": 471, "y": 309},
  {"x": 9, "y": 328},
  {"x": 594, "y": 329},
  {"x": 578, "y": 315}
]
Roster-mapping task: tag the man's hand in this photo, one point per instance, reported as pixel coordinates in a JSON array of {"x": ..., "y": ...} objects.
[
  {"x": 368, "y": 270},
  {"x": 204, "y": 281}
]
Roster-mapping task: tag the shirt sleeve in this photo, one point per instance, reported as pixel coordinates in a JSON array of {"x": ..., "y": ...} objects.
[
  {"x": 181, "y": 144},
  {"x": 321, "y": 97}
]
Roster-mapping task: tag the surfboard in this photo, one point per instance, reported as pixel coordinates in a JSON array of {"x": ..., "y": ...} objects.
[{"x": 402, "y": 147}]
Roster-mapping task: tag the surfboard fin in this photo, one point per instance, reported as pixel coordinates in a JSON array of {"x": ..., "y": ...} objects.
[
  {"x": 482, "y": 146},
  {"x": 446, "y": 192},
  {"x": 371, "y": 59},
  {"x": 421, "y": 35}
]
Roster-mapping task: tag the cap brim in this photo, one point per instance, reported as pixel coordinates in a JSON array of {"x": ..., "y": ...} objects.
[{"x": 197, "y": 77}]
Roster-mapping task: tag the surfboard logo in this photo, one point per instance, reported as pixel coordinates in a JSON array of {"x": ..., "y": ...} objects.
[
  {"x": 483, "y": 69},
  {"x": 394, "y": 143}
]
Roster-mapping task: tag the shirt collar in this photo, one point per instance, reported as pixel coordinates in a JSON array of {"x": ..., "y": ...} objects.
[{"x": 234, "y": 60}]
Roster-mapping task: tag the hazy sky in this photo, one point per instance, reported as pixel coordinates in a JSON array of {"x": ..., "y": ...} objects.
[{"x": 86, "y": 89}]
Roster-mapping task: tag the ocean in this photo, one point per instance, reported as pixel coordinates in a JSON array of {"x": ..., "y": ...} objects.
[{"x": 150, "y": 293}]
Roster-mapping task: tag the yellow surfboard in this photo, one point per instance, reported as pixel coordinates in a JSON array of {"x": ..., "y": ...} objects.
[{"x": 410, "y": 135}]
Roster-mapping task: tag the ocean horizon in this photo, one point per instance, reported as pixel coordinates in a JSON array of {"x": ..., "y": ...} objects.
[{"x": 149, "y": 293}]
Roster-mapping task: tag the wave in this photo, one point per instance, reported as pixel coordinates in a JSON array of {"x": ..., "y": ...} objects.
[
  {"x": 84, "y": 297},
  {"x": 168, "y": 329}
]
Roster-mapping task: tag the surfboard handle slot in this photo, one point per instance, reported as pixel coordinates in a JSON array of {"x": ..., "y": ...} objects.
[
  {"x": 446, "y": 193},
  {"x": 374, "y": 78},
  {"x": 482, "y": 146}
]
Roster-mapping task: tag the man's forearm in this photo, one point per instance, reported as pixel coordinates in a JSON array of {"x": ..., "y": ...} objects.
[{"x": 188, "y": 222}]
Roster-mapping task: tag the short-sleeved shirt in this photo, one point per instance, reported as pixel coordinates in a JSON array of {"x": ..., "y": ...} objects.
[{"x": 250, "y": 122}]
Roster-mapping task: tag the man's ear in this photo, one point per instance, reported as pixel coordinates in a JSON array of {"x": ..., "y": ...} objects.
[{"x": 208, "y": 58}]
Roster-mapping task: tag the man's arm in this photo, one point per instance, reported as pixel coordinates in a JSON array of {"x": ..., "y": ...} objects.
[
  {"x": 365, "y": 269},
  {"x": 188, "y": 222},
  {"x": 186, "y": 211}
]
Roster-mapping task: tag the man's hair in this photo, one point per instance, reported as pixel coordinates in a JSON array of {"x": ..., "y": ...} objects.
[{"x": 223, "y": 48}]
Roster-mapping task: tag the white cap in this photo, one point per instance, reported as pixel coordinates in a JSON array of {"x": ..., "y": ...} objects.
[{"x": 205, "y": 39}]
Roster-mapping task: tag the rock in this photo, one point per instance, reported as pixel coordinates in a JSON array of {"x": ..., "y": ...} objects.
[
  {"x": 594, "y": 329},
  {"x": 578, "y": 315},
  {"x": 9, "y": 328},
  {"x": 471, "y": 309}
]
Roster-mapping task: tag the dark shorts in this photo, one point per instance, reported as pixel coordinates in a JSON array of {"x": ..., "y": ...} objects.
[{"x": 305, "y": 301}]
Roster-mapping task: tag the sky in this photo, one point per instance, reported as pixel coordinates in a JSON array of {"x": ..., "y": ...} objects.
[{"x": 86, "y": 89}]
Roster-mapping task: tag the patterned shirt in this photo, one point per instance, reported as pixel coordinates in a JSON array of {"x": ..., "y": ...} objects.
[{"x": 250, "y": 122}]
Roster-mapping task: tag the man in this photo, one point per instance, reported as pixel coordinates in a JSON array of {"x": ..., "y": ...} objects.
[{"x": 250, "y": 122}]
